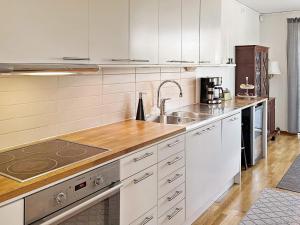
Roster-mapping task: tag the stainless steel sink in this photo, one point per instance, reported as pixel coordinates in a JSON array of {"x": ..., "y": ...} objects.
[
  {"x": 172, "y": 120},
  {"x": 185, "y": 114}
]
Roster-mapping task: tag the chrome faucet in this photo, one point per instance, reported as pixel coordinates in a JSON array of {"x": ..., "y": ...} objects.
[{"x": 161, "y": 104}]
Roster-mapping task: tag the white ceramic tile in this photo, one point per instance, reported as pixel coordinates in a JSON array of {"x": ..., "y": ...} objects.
[
  {"x": 79, "y": 114},
  {"x": 119, "y": 97},
  {"x": 107, "y": 71},
  {"x": 78, "y": 92},
  {"x": 117, "y": 88},
  {"x": 6, "y": 112},
  {"x": 27, "y": 83},
  {"x": 26, "y": 123},
  {"x": 79, "y": 103},
  {"x": 79, "y": 80},
  {"x": 148, "y": 85},
  {"x": 185, "y": 75},
  {"x": 36, "y": 108},
  {"x": 170, "y": 76},
  {"x": 147, "y": 70},
  {"x": 19, "y": 97},
  {"x": 142, "y": 77},
  {"x": 118, "y": 79},
  {"x": 170, "y": 70}
]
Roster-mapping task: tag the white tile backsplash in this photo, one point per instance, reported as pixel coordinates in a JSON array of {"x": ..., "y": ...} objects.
[{"x": 35, "y": 108}]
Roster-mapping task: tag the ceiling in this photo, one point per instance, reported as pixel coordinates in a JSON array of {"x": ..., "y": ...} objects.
[{"x": 271, "y": 6}]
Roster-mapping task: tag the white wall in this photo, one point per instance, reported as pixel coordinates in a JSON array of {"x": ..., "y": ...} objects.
[
  {"x": 274, "y": 35},
  {"x": 240, "y": 26}
]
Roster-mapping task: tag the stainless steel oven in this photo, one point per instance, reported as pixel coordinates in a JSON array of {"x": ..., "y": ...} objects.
[{"x": 92, "y": 198}]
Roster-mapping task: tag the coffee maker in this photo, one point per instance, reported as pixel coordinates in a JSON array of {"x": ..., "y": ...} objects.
[{"x": 211, "y": 91}]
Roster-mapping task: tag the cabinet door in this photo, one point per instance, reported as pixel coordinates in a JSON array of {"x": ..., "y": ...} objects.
[
  {"x": 138, "y": 195},
  {"x": 231, "y": 147},
  {"x": 190, "y": 30},
  {"x": 210, "y": 31},
  {"x": 144, "y": 31},
  {"x": 203, "y": 174},
  {"x": 13, "y": 213},
  {"x": 43, "y": 31},
  {"x": 109, "y": 31},
  {"x": 169, "y": 31}
]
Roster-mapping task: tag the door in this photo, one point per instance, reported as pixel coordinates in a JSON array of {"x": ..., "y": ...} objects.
[
  {"x": 190, "y": 31},
  {"x": 169, "y": 31},
  {"x": 43, "y": 31},
  {"x": 144, "y": 31},
  {"x": 231, "y": 147},
  {"x": 13, "y": 213},
  {"x": 109, "y": 31},
  {"x": 203, "y": 174}
]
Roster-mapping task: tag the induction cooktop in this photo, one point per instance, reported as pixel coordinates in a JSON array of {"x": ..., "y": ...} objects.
[{"x": 29, "y": 162}]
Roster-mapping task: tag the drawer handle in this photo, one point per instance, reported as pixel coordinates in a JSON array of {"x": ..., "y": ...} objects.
[
  {"x": 148, "y": 154},
  {"x": 174, "y": 160},
  {"x": 173, "y": 144},
  {"x": 177, "y": 210},
  {"x": 147, "y": 220},
  {"x": 177, "y": 193},
  {"x": 171, "y": 180},
  {"x": 233, "y": 119},
  {"x": 206, "y": 130},
  {"x": 136, "y": 181}
]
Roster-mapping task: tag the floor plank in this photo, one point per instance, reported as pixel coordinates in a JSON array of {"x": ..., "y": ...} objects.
[{"x": 267, "y": 173}]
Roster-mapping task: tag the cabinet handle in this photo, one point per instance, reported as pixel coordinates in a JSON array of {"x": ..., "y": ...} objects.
[
  {"x": 147, "y": 220},
  {"x": 120, "y": 60},
  {"x": 177, "y": 210},
  {"x": 136, "y": 181},
  {"x": 233, "y": 119},
  {"x": 139, "y": 60},
  {"x": 179, "y": 61},
  {"x": 171, "y": 180},
  {"x": 148, "y": 154},
  {"x": 177, "y": 193},
  {"x": 75, "y": 58},
  {"x": 206, "y": 130},
  {"x": 174, "y": 160},
  {"x": 173, "y": 144}
]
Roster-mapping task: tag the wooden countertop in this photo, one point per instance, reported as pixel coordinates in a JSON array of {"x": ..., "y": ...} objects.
[{"x": 120, "y": 138}]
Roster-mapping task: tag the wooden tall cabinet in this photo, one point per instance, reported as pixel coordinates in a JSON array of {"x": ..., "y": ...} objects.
[{"x": 252, "y": 62}]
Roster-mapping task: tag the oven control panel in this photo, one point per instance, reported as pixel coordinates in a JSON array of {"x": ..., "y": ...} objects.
[{"x": 47, "y": 201}]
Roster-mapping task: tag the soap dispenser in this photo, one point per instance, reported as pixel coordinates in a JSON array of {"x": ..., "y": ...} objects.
[{"x": 140, "y": 114}]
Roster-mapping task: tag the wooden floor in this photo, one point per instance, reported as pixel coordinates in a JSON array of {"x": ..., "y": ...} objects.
[{"x": 232, "y": 208}]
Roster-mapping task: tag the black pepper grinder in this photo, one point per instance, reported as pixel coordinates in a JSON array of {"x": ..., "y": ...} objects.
[{"x": 140, "y": 114}]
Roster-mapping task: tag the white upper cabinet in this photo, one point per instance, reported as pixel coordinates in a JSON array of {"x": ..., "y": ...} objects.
[
  {"x": 169, "y": 31},
  {"x": 144, "y": 31},
  {"x": 210, "y": 31},
  {"x": 190, "y": 31},
  {"x": 109, "y": 31},
  {"x": 43, "y": 31}
]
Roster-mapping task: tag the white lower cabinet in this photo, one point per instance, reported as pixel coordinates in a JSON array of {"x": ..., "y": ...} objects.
[
  {"x": 149, "y": 218},
  {"x": 203, "y": 174},
  {"x": 138, "y": 195},
  {"x": 175, "y": 216},
  {"x": 13, "y": 213},
  {"x": 231, "y": 146}
]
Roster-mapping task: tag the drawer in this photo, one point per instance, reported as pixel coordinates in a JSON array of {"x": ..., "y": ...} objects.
[
  {"x": 150, "y": 218},
  {"x": 137, "y": 162},
  {"x": 171, "y": 164},
  {"x": 170, "y": 147},
  {"x": 171, "y": 199},
  {"x": 175, "y": 216},
  {"x": 170, "y": 182},
  {"x": 138, "y": 195}
]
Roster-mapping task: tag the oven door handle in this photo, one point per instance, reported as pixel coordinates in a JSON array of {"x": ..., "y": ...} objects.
[{"x": 77, "y": 209}]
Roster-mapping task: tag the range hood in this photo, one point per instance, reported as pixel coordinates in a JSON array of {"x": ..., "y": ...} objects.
[{"x": 41, "y": 69}]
